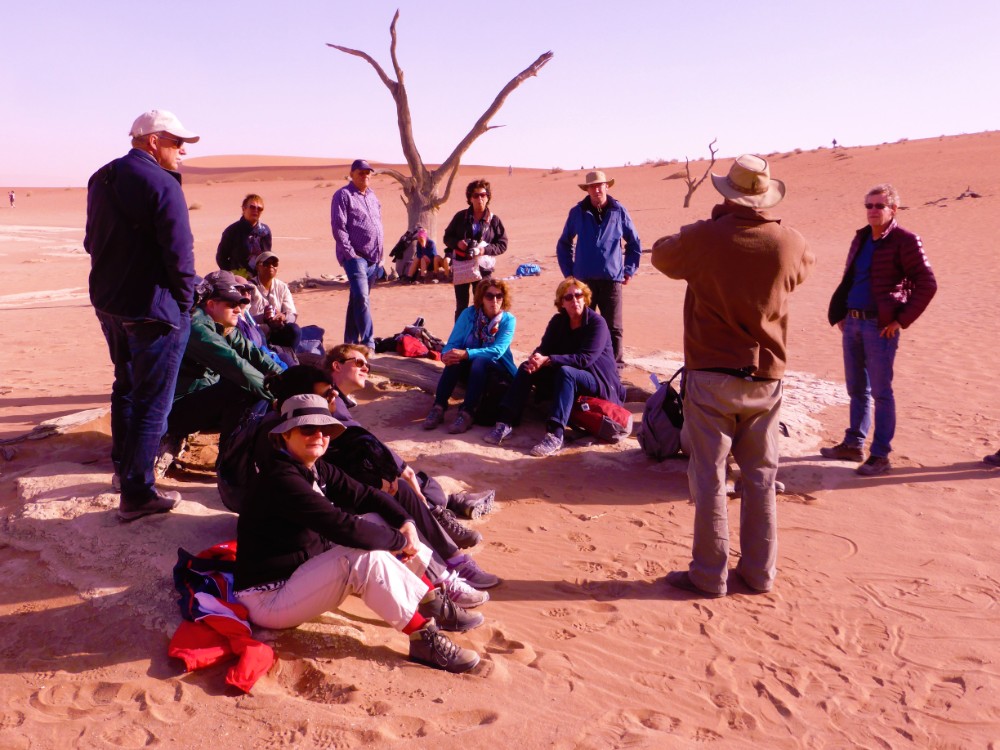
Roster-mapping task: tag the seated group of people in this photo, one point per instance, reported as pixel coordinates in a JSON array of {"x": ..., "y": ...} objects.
[{"x": 574, "y": 358}]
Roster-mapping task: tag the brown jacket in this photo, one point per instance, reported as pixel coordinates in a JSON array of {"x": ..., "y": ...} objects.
[{"x": 740, "y": 267}]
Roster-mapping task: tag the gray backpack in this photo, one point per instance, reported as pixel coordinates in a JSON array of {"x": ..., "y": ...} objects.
[{"x": 662, "y": 419}]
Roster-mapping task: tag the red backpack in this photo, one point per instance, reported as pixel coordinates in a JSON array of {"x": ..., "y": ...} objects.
[{"x": 603, "y": 419}]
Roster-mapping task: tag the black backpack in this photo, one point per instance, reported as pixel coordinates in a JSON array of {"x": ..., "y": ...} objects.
[
  {"x": 236, "y": 467},
  {"x": 662, "y": 419},
  {"x": 362, "y": 456}
]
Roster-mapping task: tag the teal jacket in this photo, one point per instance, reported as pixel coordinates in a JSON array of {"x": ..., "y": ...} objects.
[
  {"x": 498, "y": 351},
  {"x": 210, "y": 355}
]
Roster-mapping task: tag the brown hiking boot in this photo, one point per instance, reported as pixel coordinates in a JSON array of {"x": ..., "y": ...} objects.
[
  {"x": 843, "y": 452},
  {"x": 434, "y": 649}
]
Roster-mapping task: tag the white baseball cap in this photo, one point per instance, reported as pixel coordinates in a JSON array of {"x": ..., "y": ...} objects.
[{"x": 161, "y": 121}]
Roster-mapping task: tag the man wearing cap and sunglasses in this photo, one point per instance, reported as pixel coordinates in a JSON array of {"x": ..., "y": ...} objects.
[
  {"x": 741, "y": 266},
  {"x": 598, "y": 224},
  {"x": 142, "y": 286},
  {"x": 887, "y": 284},
  {"x": 356, "y": 220},
  {"x": 221, "y": 374}
]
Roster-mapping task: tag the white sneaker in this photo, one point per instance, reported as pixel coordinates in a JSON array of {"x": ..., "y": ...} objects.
[{"x": 460, "y": 592}]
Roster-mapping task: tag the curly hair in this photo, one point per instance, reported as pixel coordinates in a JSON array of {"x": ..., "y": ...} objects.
[
  {"x": 565, "y": 284},
  {"x": 473, "y": 186},
  {"x": 485, "y": 285}
]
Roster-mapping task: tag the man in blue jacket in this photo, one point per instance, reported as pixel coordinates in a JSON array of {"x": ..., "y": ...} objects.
[
  {"x": 142, "y": 288},
  {"x": 599, "y": 223}
]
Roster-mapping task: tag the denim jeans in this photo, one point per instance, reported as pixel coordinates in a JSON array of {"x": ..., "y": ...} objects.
[
  {"x": 868, "y": 362},
  {"x": 563, "y": 383},
  {"x": 606, "y": 298},
  {"x": 476, "y": 373},
  {"x": 147, "y": 356},
  {"x": 358, "y": 327}
]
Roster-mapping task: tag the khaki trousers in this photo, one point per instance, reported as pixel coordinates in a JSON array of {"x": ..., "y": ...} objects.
[{"x": 723, "y": 413}]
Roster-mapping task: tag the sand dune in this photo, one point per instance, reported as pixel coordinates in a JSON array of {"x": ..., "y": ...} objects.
[{"x": 882, "y": 630}]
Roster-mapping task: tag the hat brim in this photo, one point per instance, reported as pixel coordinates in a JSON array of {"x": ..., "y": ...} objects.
[
  {"x": 330, "y": 426},
  {"x": 771, "y": 197},
  {"x": 231, "y": 296},
  {"x": 584, "y": 185}
]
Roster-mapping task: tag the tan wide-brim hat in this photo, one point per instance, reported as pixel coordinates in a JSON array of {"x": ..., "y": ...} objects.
[
  {"x": 596, "y": 178},
  {"x": 749, "y": 183}
]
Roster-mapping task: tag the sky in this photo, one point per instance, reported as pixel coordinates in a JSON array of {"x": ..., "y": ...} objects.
[{"x": 629, "y": 82}]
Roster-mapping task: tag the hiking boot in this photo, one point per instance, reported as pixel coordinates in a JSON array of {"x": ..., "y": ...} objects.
[
  {"x": 434, "y": 417},
  {"x": 462, "y": 536},
  {"x": 550, "y": 444},
  {"x": 500, "y": 432},
  {"x": 472, "y": 505},
  {"x": 161, "y": 502},
  {"x": 844, "y": 452},
  {"x": 462, "y": 423},
  {"x": 431, "y": 647},
  {"x": 462, "y": 593},
  {"x": 473, "y": 575},
  {"x": 993, "y": 459},
  {"x": 171, "y": 449},
  {"x": 874, "y": 466},
  {"x": 447, "y": 614}
]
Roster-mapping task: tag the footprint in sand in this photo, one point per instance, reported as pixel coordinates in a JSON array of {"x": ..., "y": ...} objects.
[{"x": 305, "y": 680}]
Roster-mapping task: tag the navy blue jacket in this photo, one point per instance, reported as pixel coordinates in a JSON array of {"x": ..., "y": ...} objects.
[
  {"x": 598, "y": 250},
  {"x": 585, "y": 348},
  {"x": 139, "y": 240}
]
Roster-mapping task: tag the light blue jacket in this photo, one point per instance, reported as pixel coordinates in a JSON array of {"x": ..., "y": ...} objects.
[
  {"x": 598, "y": 251},
  {"x": 498, "y": 352}
]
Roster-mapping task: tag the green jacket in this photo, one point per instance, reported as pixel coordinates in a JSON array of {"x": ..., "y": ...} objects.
[{"x": 210, "y": 355}]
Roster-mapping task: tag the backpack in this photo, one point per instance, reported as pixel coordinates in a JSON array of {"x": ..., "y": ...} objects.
[
  {"x": 236, "y": 468},
  {"x": 662, "y": 418},
  {"x": 603, "y": 419},
  {"x": 363, "y": 457}
]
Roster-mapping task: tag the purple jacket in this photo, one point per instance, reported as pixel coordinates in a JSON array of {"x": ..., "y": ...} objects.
[{"x": 903, "y": 283}]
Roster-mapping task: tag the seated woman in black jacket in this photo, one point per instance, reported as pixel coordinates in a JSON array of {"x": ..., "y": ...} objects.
[
  {"x": 574, "y": 359},
  {"x": 309, "y": 536}
]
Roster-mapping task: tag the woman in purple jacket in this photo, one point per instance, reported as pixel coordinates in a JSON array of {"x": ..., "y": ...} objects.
[{"x": 575, "y": 358}]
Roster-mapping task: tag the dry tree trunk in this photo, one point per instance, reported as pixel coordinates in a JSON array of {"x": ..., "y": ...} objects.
[
  {"x": 424, "y": 190},
  {"x": 691, "y": 182}
]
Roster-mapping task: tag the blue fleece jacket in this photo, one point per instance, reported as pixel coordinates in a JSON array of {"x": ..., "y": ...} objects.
[
  {"x": 498, "y": 352},
  {"x": 598, "y": 251}
]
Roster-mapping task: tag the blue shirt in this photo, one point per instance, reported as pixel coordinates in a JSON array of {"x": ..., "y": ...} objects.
[
  {"x": 356, "y": 220},
  {"x": 860, "y": 297}
]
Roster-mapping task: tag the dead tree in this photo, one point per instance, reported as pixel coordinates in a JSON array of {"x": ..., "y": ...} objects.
[
  {"x": 423, "y": 192},
  {"x": 690, "y": 181}
]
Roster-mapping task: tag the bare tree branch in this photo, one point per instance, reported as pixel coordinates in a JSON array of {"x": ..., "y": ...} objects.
[
  {"x": 389, "y": 83},
  {"x": 692, "y": 184}
]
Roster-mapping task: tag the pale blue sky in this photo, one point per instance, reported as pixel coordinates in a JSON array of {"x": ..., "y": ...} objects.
[{"x": 630, "y": 81}]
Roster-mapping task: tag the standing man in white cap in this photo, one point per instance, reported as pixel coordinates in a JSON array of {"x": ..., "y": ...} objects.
[
  {"x": 599, "y": 224},
  {"x": 356, "y": 220},
  {"x": 741, "y": 265},
  {"x": 142, "y": 288}
]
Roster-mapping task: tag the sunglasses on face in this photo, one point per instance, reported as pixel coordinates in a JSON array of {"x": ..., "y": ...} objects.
[
  {"x": 308, "y": 430},
  {"x": 252, "y": 207},
  {"x": 570, "y": 296},
  {"x": 480, "y": 195},
  {"x": 879, "y": 206},
  {"x": 493, "y": 295},
  {"x": 177, "y": 143},
  {"x": 358, "y": 362},
  {"x": 270, "y": 262}
]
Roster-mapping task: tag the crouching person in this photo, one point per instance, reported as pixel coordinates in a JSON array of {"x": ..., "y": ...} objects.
[
  {"x": 221, "y": 374},
  {"x": 310, "y": 536}
]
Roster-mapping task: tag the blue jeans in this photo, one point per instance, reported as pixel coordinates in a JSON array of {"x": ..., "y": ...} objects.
[
  {"x": 147, "y": 356},
  {"x": 358, "y": 327},
  {"x": 563, "y": 383},
  {"x": 476, "y": 373},
  {"x": 868, "y": 361}
]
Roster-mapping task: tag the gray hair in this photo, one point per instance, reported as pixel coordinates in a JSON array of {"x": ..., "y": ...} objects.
[{"x": 891, "y": 194}]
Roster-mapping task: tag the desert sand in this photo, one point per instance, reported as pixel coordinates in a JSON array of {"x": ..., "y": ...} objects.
[{"x": 883, "y": 628}]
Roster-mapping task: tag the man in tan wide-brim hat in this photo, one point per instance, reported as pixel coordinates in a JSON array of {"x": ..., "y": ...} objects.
[
  {"x": 590, "y": 249},
  {"x": 740, "y": 267}
]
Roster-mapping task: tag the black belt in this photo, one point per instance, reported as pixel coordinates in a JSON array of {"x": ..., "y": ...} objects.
[{"x": 862, "y": 314}]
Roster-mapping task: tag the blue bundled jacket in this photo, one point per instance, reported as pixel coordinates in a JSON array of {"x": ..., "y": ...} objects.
[
  {"x": 499, "y": 352},
  {"x": 598, "y": 251},
  {"x": 139, "y": 240}
]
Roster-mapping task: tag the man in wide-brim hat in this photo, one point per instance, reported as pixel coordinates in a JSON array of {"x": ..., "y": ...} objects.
[
  {"x": 740, "y": 266},
  {"x": 590, "y": 249}
]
